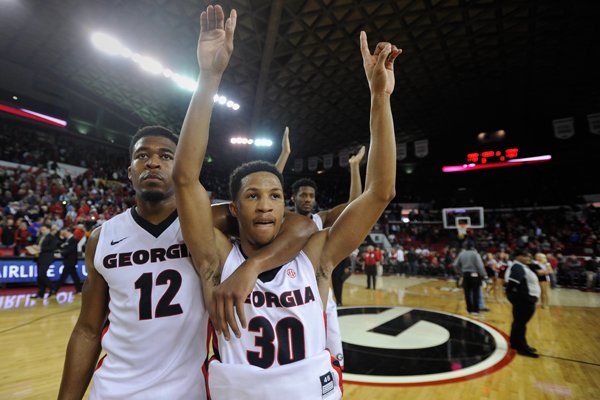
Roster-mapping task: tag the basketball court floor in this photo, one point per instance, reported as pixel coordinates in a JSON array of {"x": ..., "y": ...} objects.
[{"x": 409, "y": 339}]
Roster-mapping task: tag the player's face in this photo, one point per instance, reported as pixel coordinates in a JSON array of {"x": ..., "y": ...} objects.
[
  {"x": 151, "y": 167},
  {"x": 304, "y": 200},
  {"x": 259, "y": 207}
]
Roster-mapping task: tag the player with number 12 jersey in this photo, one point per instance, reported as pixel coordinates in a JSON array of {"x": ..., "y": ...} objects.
[{"x": 155, "y": 298}]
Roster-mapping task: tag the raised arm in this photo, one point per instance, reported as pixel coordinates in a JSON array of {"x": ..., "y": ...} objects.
[
  {"x": 329, "y": 216},
  {"x": 353, "y": 225},
  {"x": 355, "y": 181},
  {"x": 215, "y": 46},
  {"x": 285, "y": 150},
  {"x": 84, "y": 346}
]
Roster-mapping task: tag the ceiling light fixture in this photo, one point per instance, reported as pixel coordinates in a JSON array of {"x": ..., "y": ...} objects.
[{"x": 114, "y": 47}]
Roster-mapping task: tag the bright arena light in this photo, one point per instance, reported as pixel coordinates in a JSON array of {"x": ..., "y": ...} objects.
[
  {"x": 184, "y": 82},
  {"x": 257, "y": 142},
  {"x": 241, "y": 140},
  {"x": 151, "y": 65},
  {"x": 108, "y": 44},
  {"x": 263, "y": 143},
  {"x": 112, "y": 46}
]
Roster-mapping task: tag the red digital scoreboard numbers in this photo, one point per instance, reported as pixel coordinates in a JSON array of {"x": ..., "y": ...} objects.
[
  {"x": 494, "y": 159},
  {"x": 492, "y": 156}
]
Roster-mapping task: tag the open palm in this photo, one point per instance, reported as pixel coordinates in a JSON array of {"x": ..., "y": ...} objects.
[{"x": 215, "y": 43}]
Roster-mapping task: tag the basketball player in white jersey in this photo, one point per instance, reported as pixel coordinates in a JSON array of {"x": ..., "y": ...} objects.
[
  {"x": 141, "y": 278},
  {"x": 282, "y": 353},
  {"x": 304, "y": 198}
]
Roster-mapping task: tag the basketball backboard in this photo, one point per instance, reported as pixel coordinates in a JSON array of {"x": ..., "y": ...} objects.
[{"x": 472, "y": 216}]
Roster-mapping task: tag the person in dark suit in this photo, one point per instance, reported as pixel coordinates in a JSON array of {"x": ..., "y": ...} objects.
[
  {"x": 338, "y": 276},
  {"x": 68, "y": 250},
  {"x": 523, "y": 291},
  {"x": 44, "y": 252}
]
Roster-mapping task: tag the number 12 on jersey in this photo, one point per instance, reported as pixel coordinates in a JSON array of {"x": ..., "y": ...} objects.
[{"x": 164, "y": 308}]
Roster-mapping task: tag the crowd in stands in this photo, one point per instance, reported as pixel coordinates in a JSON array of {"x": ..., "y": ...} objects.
[
  {"x": 40, "y": 192},
  {"x": 568, "y": 236}
]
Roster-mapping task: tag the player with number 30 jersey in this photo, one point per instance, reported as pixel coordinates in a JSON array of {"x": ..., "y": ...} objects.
[{"x": 282, "y": 311}]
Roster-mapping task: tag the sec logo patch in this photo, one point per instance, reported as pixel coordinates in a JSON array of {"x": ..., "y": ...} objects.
[{"x": 400, "y": 346}]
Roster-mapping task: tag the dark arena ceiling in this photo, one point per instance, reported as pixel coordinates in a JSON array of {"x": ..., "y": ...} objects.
[{"x": 468, "y": 67}]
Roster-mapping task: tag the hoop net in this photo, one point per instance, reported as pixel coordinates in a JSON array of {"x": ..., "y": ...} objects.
[{"x": 462, "y": 227}]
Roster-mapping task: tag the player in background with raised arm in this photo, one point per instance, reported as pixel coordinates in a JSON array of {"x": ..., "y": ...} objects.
[{"x": 304, "y": 192}]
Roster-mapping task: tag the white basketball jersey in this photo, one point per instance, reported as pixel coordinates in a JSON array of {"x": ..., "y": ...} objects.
[
  {"x": 155, "y": 342},
  {"x": 285, "y": 337},
  {"x": 334, "y": 335},
  {"x": 317, "y": 220}
]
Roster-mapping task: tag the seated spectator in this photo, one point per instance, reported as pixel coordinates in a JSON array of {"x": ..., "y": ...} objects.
[{"x": 23, "y": 238}]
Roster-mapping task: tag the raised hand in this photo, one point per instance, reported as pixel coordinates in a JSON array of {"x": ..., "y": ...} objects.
[
  {"x": 215, "y": 43},
  {"x": 285, "y": 141},
  {"x": 286, "y": 149},
  {"x": 379, "y": 66},
  {"x": 357, "y": 158}
]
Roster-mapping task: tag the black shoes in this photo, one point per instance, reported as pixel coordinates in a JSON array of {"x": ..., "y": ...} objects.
[
  {"x": 484, "y": 309},
  {"x": 37, "y": 296},
  {"x": 528, "y": 353}
]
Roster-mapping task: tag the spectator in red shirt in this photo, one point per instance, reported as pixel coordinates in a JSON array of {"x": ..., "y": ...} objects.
[
  {"x": 57, "y": 208},
  {"x": 79, "y": 232},
  {"x": 370, "y": 259}
]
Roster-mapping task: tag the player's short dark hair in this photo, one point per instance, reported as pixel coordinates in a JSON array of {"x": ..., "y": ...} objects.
[
  {"x": 469, "y": 244},
  {"x": 303, "y": 182},
  {"x": 521, "y": 251},
  {"x": 235, "y": 179},
  {"x": 153, "y": 130}
]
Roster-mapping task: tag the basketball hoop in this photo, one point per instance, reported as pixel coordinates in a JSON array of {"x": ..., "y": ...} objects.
[{"x": 462, "y": 227}]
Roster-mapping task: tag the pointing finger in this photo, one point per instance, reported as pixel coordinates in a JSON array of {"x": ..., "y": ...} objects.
[{"x": 364, "y": 45}]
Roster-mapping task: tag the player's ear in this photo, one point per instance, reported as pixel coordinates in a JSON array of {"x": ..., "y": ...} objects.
[
  {"x": 129, "y": 173},
  {"x": 233, "y": 209}
]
